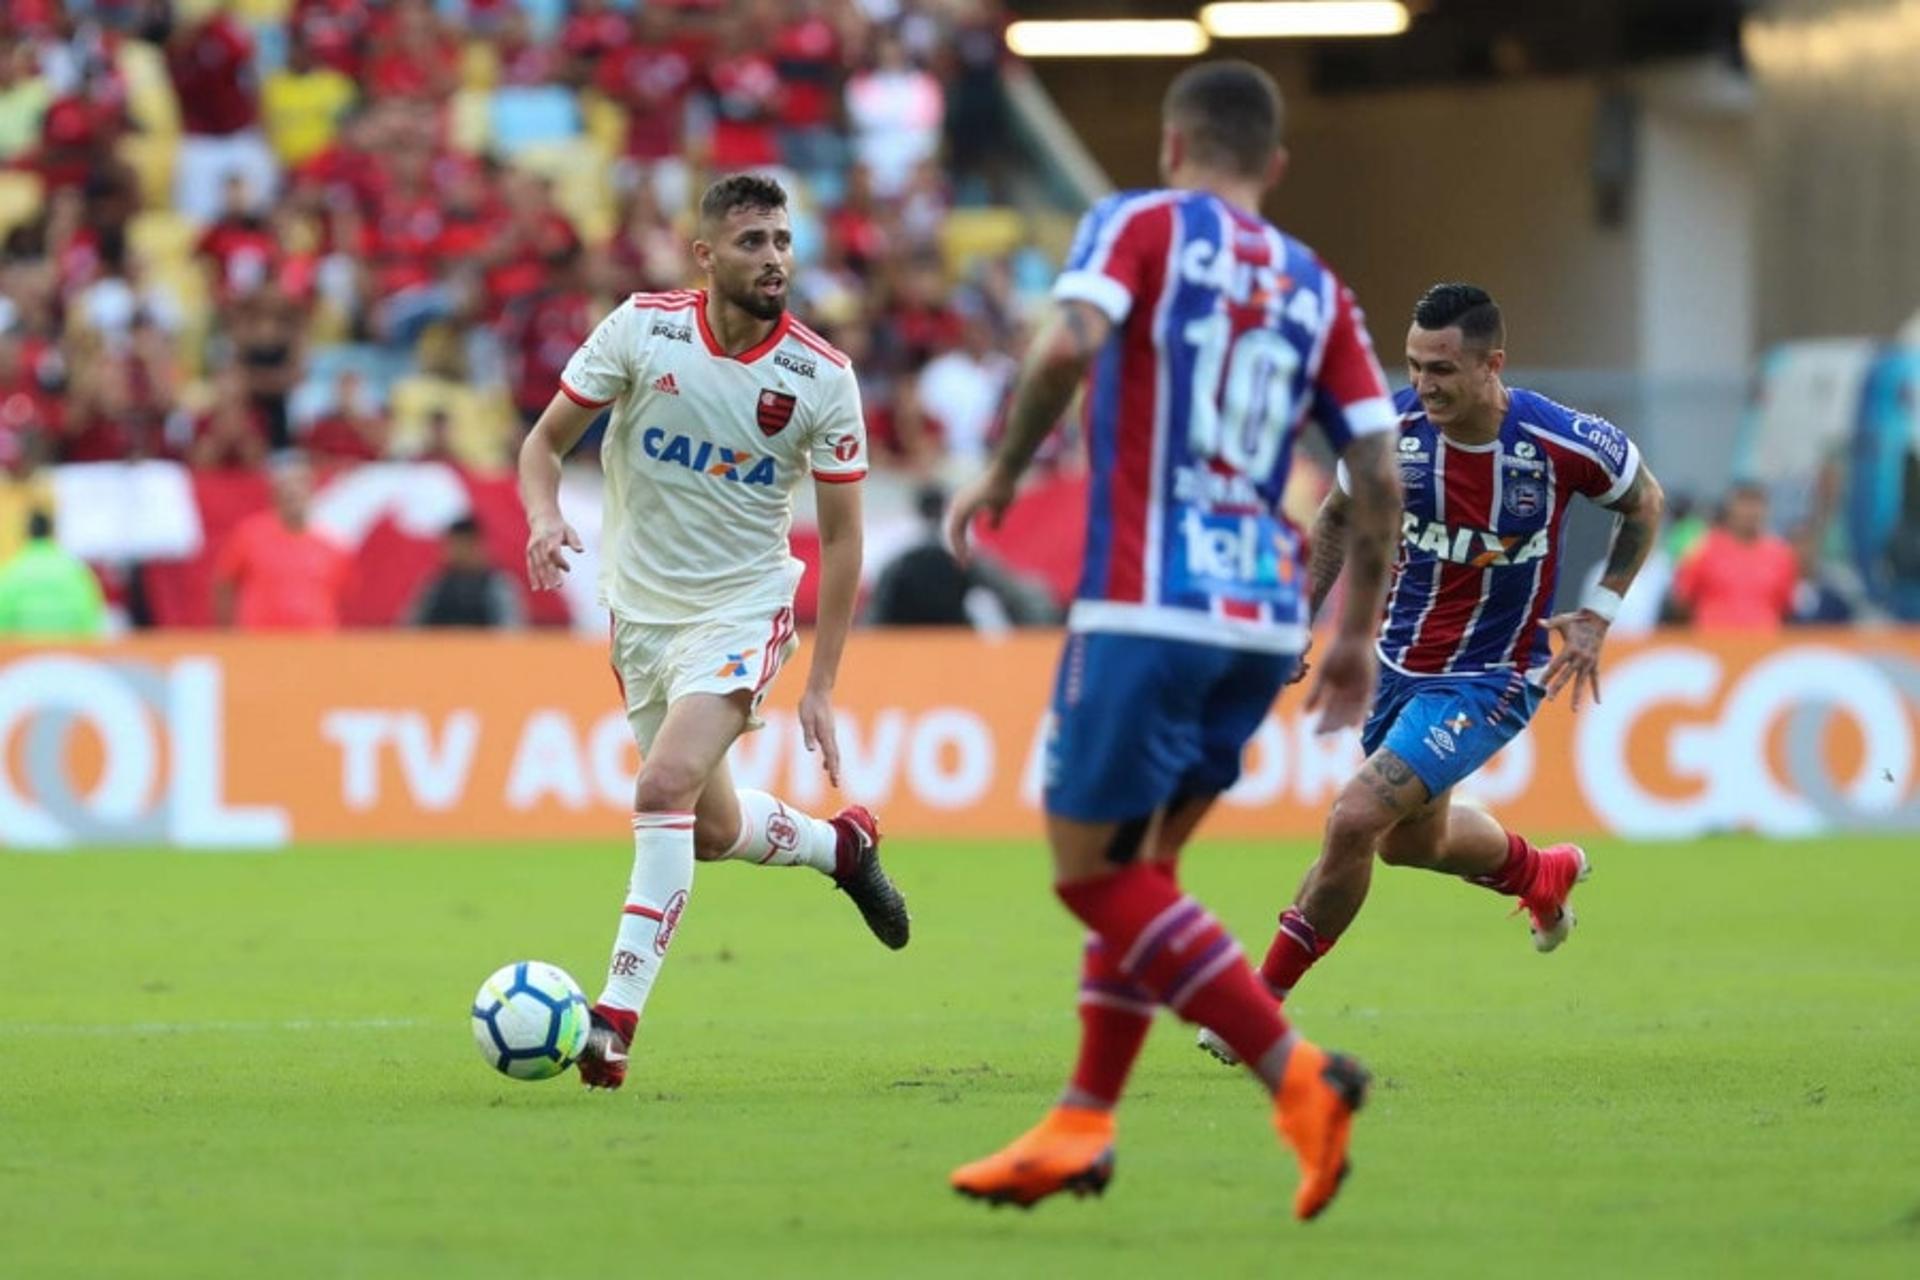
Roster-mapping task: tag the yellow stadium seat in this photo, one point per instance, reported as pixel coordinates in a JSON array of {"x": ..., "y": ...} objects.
[
  {"x": 479, "y": 66},
  {"x": 478, "y": 421},
  {"x": 162, "y": 237},
  {"x": 606, "y": 122},
  {"x": 980, "y": 233},
  {"x": 151, "y": 156},
  {"x": 21, "y": 196},
  {"x": 468, "y": 128},
  {"x": 262, "y": 12},
  {"x": 580, "y": 173},
  {"x": 150, "y": 97}
]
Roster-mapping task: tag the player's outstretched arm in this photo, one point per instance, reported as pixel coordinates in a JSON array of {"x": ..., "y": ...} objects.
[
  {"x": 1057, "y": 361},
  {"x": 560, "y": 427},
  {"x": 1583, "y": 631},
  {"x": 1343, "y": 683},
  {"x": 841, "y": 547}
]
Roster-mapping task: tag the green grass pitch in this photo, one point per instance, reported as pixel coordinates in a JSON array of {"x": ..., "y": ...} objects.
[{"x": 260, "y": 1065}]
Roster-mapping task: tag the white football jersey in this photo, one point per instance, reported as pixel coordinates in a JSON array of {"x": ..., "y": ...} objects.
[{"x": 702, "y": 453}]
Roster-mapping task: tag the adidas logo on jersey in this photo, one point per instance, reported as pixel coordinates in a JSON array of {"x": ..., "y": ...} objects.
[
  {"x": 708, "y": 458},
  {"x": 1476, "y": 548},
  {"x": 665, "y": 385}
]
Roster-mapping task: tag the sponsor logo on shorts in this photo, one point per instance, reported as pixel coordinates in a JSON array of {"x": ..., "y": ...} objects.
[
  {"x": 1440, "y": 742},
  {"x": 736, "y": 664},
  {"x": 1460, "y": 721}
]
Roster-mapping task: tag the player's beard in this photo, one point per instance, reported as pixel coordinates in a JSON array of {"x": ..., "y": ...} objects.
[{"x": 757, "y": 304}]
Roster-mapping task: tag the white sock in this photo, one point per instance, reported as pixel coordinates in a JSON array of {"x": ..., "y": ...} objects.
[
  {"x": 775, "y": 835},
  {"x": 656, "y": 896}
]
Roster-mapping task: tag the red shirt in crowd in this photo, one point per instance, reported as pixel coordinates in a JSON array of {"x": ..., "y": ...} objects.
[
  {"x": 283, "y": 579},
  {"x": 652, "y": 81},
  {"x": 807, "y": 52},
  {"x": 335, "y": 30},
  {"x": 212, "y": 70},
  {"x": 1730, "y": 585},
  {"x": 746, "y": 96},
  {"x": 544, "y": 333}
]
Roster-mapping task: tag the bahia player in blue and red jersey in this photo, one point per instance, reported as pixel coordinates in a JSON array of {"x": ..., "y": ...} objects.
[
  {"x": 1205, "y": 339},
  {"x": 1489, "y": 472}
]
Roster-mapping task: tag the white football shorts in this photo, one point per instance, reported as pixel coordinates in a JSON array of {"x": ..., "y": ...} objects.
[{"x": 657, "y": 664}]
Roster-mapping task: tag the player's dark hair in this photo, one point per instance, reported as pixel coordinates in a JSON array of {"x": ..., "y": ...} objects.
[
  {"x": 1230, "y": 114},
  {"x": 740, "y": 191},
  {"x": 1466, "y": 307}
]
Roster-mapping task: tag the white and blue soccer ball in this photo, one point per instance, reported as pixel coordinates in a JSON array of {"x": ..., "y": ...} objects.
[{"x": 530, "y": 1020}]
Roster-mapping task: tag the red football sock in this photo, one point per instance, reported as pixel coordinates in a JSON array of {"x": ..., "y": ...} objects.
[
  {"x": 625, "y": 1021},
  {"x": 1115, "y": 1016},
  {"x": 1516, "y": 873},
  {"x": 1172, "y": 946},
  {"x": 1296, "y": 946}
]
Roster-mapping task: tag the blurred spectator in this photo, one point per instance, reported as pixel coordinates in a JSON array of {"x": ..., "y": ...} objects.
[
  {"x": 523, "y": 58},
  {"x": 896, "y": 111},
  {"x": 117, "y": 411},
  {"x": 652, "y": 77},
  {"x": 353, "y": 431},
  {"x": 277, "y": 573},
  {"x": 977, "y": 125},
  {"x": 211, "y": 62},
  {"x": 47, "y": 592},
  {"x": 1741, "y": 576},
  {"x": 24, "y": 98},
  {"x": 412, "y": 57},
  {"x": 265, "y": 326},
  {"x": 593, "y": 31},
  {"x": 468, "y": 591},
  {"x": 233, "y": 432},
  {"x": 924, "y": 586},
  {"x": 747, "y": 98},
  {"x": 303, "y": 103},
  {"x": 647, "y": 251},
  {"x": 959, "y": 395},
  {"x": 808, "y": 56}
]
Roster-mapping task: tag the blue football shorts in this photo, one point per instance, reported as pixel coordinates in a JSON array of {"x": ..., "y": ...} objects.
[
  {"x": 1138, "y": 721},
  {"x": 1445, "y": 727}
]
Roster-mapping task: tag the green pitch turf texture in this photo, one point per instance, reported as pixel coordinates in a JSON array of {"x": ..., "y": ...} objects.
[{"x": 248, "y": 1065}]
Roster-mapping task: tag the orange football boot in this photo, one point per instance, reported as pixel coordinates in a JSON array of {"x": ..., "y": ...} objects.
[
  {"x": 1313, "y": 1114},
  {"x": 1071, "y": 1149}
]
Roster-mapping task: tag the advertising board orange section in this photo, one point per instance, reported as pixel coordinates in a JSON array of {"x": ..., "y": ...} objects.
[{"x": 212, "y": 741}]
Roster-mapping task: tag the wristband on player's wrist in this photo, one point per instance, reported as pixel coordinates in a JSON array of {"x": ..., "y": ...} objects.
[{"x": 1602, "y": 603}]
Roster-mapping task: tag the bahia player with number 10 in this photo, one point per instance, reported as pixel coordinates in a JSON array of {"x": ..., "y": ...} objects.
[{"x": 1205, "y": 338}]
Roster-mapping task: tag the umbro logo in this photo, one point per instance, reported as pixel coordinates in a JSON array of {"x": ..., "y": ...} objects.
[{"x": 666, "y": 386}]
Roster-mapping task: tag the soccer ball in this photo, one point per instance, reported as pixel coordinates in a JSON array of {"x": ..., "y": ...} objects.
[{"x": 530, "y": 1020}]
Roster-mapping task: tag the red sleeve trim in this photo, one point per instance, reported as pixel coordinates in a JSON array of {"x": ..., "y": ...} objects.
[
  {"x": 811, "y": 339},
  {"x": 840, "y": 477},
  {"x": 585, "y": 402}
]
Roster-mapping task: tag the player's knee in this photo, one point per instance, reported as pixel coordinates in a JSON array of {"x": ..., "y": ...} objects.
[
  {"x": 1356, "y": 824},
  {"x": 666, "y": 786}
]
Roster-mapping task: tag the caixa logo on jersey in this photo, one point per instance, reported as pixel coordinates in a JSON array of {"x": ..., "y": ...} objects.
[
  {"x": 706, "y": 457},
  {"x": 120, "y": 752},
  {"x": 1476, "y": 548}
]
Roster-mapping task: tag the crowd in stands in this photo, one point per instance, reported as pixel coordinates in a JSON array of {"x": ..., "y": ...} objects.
[{"x": 376, "y": 229}]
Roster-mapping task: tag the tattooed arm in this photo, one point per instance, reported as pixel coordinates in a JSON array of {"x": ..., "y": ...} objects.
[
  {"x": 1583, "y": 631},
  {"x": 1057, "y": 361},
  {"x": 1634, "y": 531},
  {"x": 1327, "y": 549},
  {"x": 1343, "y": 685}
]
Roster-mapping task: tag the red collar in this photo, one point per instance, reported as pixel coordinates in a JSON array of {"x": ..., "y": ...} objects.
[{"x": 752, "y": 353}]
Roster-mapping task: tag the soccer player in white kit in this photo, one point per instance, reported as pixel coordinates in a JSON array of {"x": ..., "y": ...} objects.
[{"x": 721, "y": 404}]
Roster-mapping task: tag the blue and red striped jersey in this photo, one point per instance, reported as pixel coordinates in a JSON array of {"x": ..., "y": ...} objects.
[
  {"x": 1480, "y": 535},
  {"x": 1228, "y": 335}
]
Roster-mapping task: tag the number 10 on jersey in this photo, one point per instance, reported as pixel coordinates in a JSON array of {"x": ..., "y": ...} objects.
[{"x": 1242, "y": 419}]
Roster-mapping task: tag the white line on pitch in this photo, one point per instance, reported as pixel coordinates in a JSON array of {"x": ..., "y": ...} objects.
[{"x": 215, "y": 1026}]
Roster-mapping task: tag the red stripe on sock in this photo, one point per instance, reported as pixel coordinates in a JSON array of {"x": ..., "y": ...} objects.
[
  {"x": 635, "y": 909},
  {"x": 1115, "y": 1016},
  {"x": 1296, "y": 947}
]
